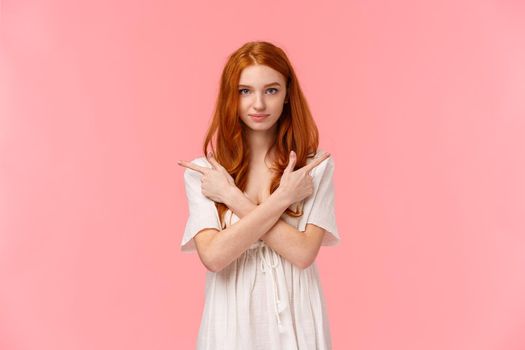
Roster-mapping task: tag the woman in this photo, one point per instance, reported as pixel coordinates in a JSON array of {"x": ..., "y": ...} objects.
[{"x": 260, "y": 207}]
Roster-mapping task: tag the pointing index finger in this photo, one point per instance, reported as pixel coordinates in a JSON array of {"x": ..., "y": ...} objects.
[
  {"x": 192, "y": 166},
  {"x": 316, "y": 162}
]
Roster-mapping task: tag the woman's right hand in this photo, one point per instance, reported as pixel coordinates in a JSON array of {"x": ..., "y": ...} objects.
[{"x": 297, "y": 185}]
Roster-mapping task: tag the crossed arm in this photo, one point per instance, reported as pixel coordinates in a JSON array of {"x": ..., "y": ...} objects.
[{"x": 299, "y": 248}]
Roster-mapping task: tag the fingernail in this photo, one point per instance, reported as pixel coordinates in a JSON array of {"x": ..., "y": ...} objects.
[{"x": 179, "y": 162}]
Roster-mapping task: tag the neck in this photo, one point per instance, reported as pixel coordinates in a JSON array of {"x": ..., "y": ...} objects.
[{"x": 260, "y": 143}]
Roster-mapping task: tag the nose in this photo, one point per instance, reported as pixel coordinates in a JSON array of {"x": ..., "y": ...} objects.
[{"x": 259, "y": 102}]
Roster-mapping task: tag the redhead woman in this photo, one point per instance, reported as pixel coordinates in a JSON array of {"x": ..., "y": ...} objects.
[{"x": 261, "y": 204}]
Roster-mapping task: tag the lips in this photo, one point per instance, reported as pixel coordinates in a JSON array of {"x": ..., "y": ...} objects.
[{"x": 259, "y": 117}]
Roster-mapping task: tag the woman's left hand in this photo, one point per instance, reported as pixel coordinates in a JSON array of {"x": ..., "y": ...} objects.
[{"x": 216, "y": 182}]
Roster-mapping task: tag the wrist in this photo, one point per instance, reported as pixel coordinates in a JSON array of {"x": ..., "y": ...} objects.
[
  {"x": 231, "y": 195},
  {"x": 282, "y": 197}
]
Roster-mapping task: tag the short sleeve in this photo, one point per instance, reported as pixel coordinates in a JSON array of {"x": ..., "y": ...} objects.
[
  {"x": 202, "y": 211},
  {"x": 319, "y": 208}
]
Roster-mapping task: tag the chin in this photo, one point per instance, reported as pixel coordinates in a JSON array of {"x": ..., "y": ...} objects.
[{"x": 260, "y": 127}]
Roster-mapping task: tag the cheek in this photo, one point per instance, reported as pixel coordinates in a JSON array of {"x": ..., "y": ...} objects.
[
  {"x": 277, "y": 106},
  {"x": 242, "y": 105}
]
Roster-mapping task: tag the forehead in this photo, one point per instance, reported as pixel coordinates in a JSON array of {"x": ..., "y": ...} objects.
[{"x": 260, "y": 75}]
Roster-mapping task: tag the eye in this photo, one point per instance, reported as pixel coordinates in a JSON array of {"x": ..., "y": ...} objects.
[
  {"x": 276, "y": 90},
  {"x": 241, "y": 90}
]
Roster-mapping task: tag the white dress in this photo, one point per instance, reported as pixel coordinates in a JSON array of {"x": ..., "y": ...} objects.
[{"x": 262, "y": 301}]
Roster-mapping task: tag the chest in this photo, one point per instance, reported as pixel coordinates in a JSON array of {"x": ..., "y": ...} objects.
[
  {"x": 258, "y": 185},
  {"x": 258, "y": 190}
]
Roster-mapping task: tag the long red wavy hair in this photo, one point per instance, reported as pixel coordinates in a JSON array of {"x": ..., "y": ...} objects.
[{"x": 296, "y": 129}]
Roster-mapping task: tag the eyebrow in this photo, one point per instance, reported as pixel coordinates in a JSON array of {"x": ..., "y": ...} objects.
[{"x": 274, "y": 83}]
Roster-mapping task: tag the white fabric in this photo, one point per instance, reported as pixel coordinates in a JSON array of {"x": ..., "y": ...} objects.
[
  {"x": 262, "y": 301},
  {"x": 202, "y": 210}
]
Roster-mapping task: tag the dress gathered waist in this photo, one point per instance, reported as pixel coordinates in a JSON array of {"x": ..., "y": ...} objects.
[{"x": 270, "y": 261}]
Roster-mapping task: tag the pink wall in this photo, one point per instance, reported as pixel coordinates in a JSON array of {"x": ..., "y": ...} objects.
[{"x": 420, "y": 103}]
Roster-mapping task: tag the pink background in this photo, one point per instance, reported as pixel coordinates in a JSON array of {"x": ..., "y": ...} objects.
[{"x": 420, "y": 103}]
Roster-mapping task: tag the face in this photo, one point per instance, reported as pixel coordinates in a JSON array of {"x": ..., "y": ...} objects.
[{"x": 262, "y": 90}]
